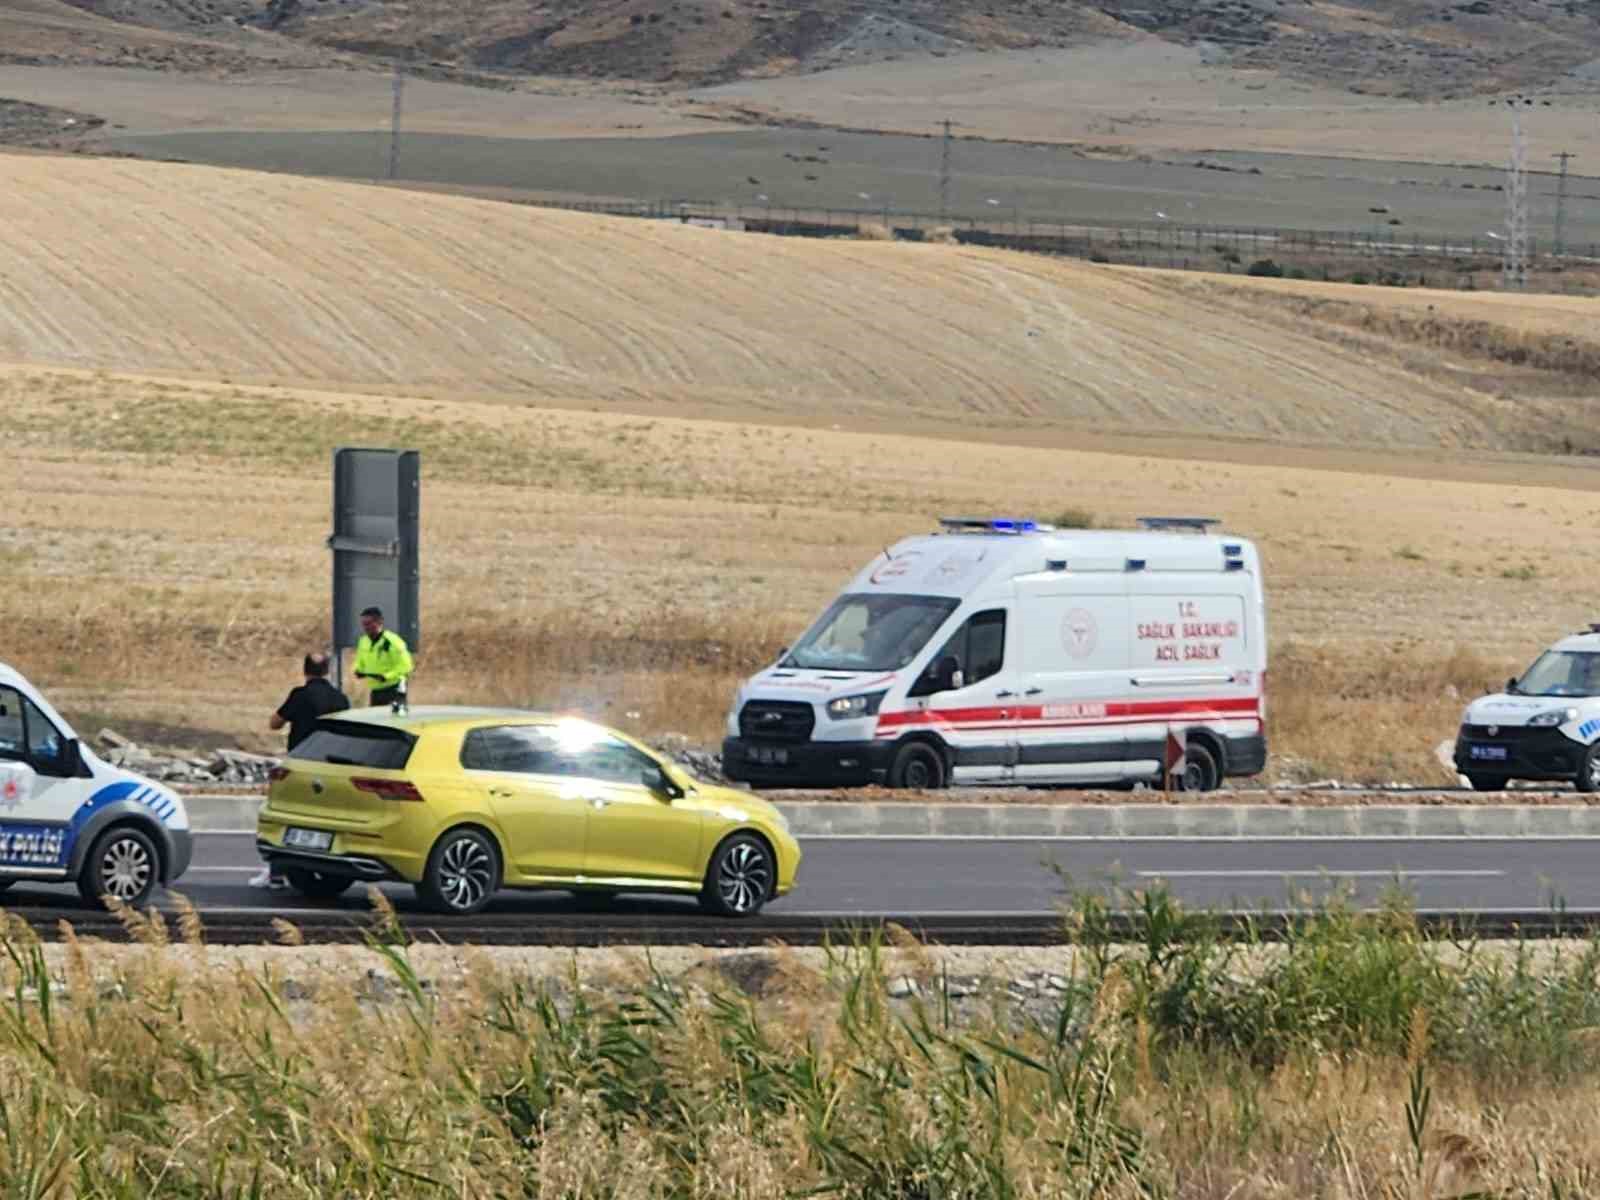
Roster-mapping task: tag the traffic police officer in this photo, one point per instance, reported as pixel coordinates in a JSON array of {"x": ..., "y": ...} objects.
[{"x": 382, "y": 659}]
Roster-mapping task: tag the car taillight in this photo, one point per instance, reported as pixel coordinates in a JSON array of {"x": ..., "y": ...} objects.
[
  {"x": 388, "y": 789},
  {"x": 277, "y": 774}
]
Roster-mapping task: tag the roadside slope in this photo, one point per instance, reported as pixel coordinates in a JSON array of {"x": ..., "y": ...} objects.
[{"x": 253, "y": 277}]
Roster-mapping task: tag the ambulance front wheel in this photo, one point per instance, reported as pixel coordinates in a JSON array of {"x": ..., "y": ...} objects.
[{"x": 917, "y": 766}]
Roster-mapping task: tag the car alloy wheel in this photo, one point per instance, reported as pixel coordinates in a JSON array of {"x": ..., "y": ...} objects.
[
  {"x": 125, "y": 869},
  {"x": 466, "y": 874},
  {"x": 122, "y": 864},
  {"x": 744, "y": 878}
]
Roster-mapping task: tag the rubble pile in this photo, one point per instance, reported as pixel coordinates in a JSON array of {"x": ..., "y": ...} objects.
[{"x": 233, "y": 768}]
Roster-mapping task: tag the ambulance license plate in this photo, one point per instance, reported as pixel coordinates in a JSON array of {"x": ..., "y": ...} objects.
[
  {"x": 308, "y": 839},
  {"x": 1487, "y": 753}
]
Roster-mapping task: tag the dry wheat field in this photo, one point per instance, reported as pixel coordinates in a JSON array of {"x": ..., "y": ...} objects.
[{"x": 652, "y": 452}]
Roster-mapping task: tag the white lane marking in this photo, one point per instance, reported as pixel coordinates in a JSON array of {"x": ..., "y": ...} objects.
[{"x": 1401, "y": 872}]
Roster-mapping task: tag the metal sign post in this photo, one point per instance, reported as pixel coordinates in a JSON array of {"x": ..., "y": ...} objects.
[{"x": 377, "y": 503}]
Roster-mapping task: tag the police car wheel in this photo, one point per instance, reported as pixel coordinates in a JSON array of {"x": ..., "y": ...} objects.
[
  {"x": 740, "y": 879},
  {"x": 1200, "y": 773},
  {"x": 314, "y": 885},
  {"x": 122, "y": 863},
  {"x": 1589, "y": 770},
  {"x": 463, "y": 873},
  {"x": 917, "y": 766}
]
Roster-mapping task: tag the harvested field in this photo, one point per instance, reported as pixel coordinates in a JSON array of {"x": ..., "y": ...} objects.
[
  {"x": 261, "y": 278},
  {"x": 587, "y": 544},
  {"x": 635, "y": 566}
]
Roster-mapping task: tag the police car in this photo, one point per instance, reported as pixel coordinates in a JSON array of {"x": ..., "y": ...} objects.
[
  {"x": 68, "y": 817},
  {"x": 1544, "y": 727}
]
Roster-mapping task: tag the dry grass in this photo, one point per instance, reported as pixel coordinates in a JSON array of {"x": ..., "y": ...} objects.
[
  {"x": 270, "y": 279},
  {"x": 1356, "y": 1060},
  {"x": 637, "y": 567}
]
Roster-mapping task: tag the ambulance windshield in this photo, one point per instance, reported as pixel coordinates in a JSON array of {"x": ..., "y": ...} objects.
[
  {"x": 1562, "y": 673},
  {"x": 870, "y": 633}
]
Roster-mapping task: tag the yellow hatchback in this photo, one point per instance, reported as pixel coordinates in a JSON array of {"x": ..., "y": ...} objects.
[{"x": 462, "y": 802}]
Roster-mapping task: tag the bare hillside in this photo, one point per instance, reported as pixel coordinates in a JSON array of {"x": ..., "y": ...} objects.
[
  {"x": 173, "y": 269},
  {"x": 1424, "y": 49}
]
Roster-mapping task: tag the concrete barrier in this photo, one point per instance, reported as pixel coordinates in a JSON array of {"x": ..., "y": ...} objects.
[{"x": 220, "y": 814}]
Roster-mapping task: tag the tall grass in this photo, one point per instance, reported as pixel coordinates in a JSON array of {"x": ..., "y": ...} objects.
[{"x": 1358, "y": 1058}]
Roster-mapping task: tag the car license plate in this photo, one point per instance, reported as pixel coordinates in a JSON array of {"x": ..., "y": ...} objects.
[
  {"x": 1487, "y": 753},
  {"x": 777, "y": 758},
  {"x": 308, "y": 839}
]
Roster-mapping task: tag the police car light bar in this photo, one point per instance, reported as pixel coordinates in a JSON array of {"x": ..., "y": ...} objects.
[
  {"x": 1195, "y": 524},
  {"x": 991, "y": 525}
]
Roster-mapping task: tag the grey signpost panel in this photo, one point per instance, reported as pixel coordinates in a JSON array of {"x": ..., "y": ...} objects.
[{"x": 377, "y": 500}]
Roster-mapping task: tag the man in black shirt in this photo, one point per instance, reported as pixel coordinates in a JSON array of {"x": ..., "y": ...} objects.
[
  {"x": 316, "y": 697},
  {"x": 312, "y": 699}
]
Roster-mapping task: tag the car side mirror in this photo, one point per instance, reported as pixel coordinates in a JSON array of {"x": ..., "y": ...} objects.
[
  {"x": 1511, "y": 687},
  {"x": 947, "y": 674},
  {"x": 659, "y": 782},
  {"x": 72, "y": 764}
]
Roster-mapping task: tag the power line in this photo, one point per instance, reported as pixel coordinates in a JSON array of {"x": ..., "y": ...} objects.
[
  {"x": 1561, "y": 204},
  {"x": 394, "y": 123},
  {"x": 944, "y": 173}
]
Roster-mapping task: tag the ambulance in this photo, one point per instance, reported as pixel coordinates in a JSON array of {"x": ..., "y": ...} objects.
[
  {"x": 1005, "y": 651},
  {"x": 1545, "y": 726},
  {"x": 68, "y": 817}
]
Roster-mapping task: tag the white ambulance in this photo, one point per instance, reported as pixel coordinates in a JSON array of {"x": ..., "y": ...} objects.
[
  {"x": 1001, "y": 651},
  {"x": 68, "y": 817},
  {"x": 1545, "y": 727}
]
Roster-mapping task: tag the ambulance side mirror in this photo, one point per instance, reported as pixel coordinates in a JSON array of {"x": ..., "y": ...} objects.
[{"x": 947, "y": 674}]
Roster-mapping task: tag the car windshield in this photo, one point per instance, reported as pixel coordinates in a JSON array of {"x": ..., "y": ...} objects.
[
  {"x": 1562, "y": 673},
  {"x": 870, "y": 633}
]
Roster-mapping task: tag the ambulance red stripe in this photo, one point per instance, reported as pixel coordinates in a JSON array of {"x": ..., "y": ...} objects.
[{"x": 1107, "y": 713}]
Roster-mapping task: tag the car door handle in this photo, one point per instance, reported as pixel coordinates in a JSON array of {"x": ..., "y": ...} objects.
[
  {"x": 1033, "y": 691},
  {"x": 501, "y": 793},
  {"x": 598, "y": 801},
  {"x": 1002, "y": 695}
]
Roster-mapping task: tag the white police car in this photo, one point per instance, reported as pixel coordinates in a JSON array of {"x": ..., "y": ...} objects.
[
  {"x": 1544, "y": 727},
  {"x": 68, "y": 817}
]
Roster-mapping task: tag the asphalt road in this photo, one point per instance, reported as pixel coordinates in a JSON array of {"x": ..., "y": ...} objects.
[{"x": 939, "y": 876}]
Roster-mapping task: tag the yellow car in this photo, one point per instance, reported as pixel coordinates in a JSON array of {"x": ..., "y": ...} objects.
[{"x": 461, "y": 802}]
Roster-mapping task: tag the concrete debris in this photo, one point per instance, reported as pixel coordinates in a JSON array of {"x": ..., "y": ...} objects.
[
  {"x": 231, "y": 767},
  {"x": 902, "y": 987}
]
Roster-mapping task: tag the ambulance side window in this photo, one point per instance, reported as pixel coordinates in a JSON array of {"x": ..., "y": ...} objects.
[{"x": 978, "y": 647}]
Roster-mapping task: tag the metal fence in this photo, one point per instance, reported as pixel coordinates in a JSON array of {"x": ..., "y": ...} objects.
[{"x": 1146, "y": 243}]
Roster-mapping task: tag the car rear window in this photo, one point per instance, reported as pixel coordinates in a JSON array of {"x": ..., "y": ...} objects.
[{"x": 351, "y": 744}]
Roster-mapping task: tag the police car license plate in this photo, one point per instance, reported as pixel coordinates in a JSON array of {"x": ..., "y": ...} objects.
[
  {"x": 308, "y": 839},
  {"x": 1487, "y": 753}
]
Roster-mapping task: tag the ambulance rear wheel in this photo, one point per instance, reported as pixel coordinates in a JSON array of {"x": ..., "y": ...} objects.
[
  {"x": 917, "y": 766},
  {"x": 122, "y": 863},
  {"x": 1200, "y": 771}
]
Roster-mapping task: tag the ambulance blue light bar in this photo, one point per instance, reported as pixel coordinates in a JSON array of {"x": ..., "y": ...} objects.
[
  {"x": 1192, "y": 524},
  {"x": 991, "y": 525}
]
